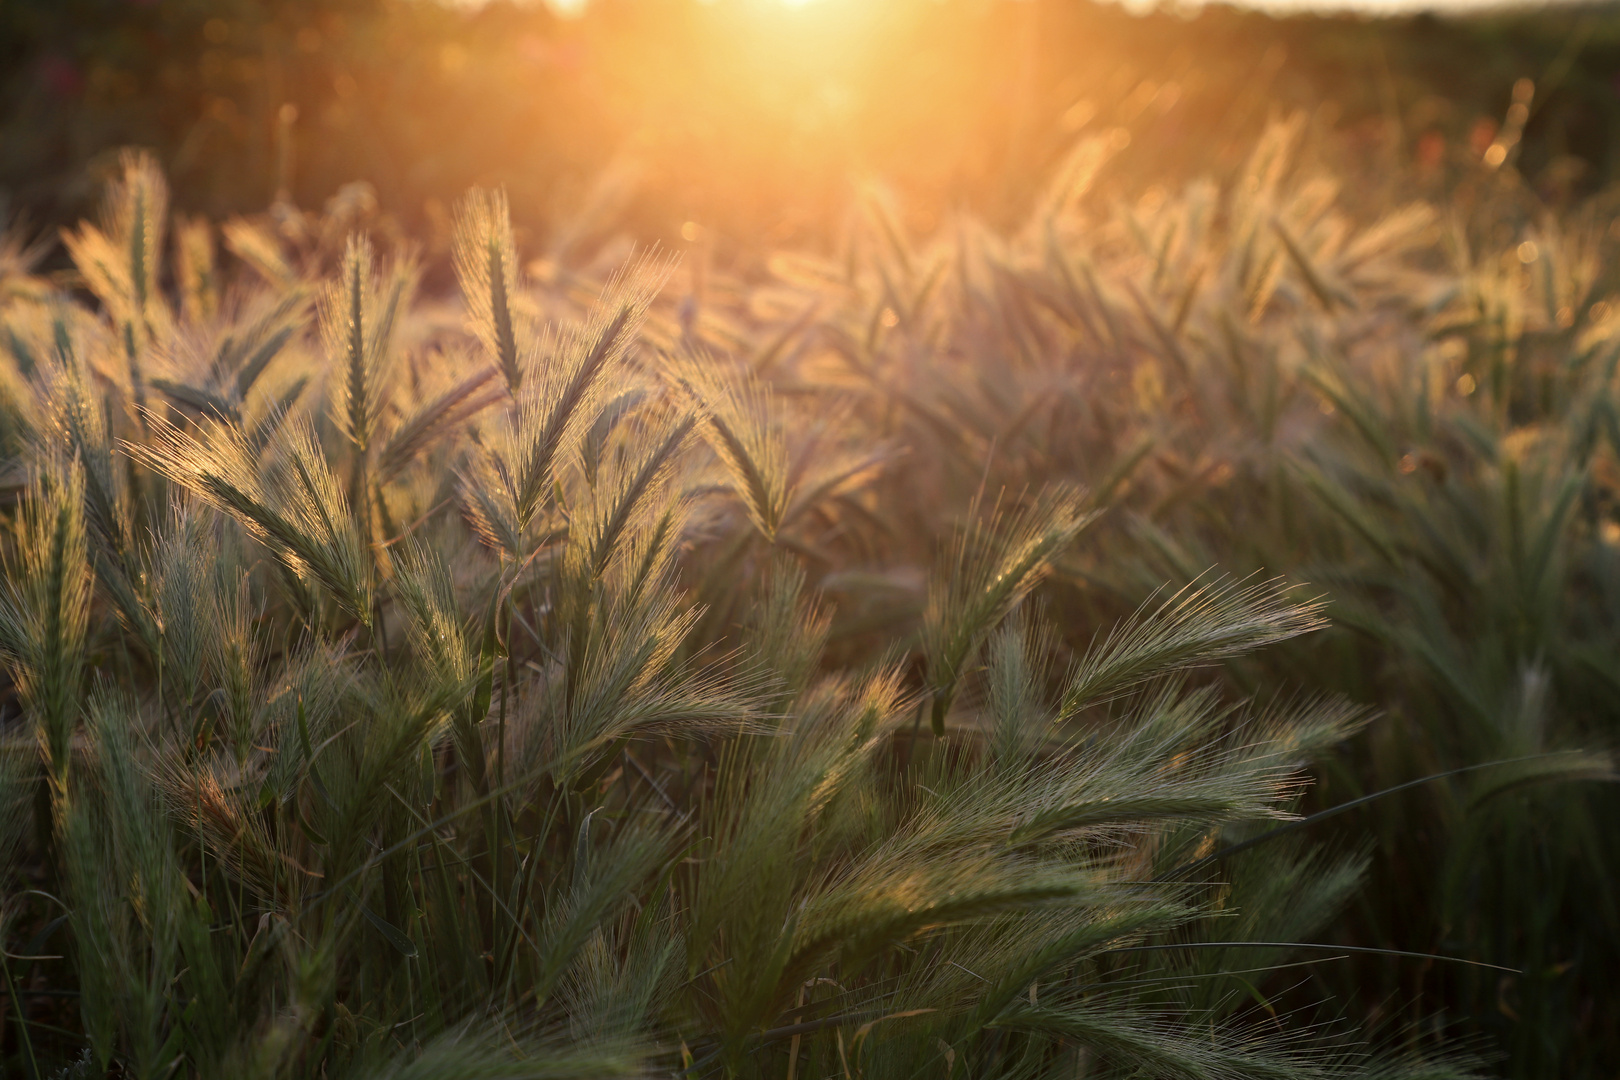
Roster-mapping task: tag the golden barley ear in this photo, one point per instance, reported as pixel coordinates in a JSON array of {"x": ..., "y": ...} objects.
[
  {"x": 121, "y": 260},
  {"x": 487, "y": 267},
  {"x": 136, "y": 211},
  {"x": 258, "y": 247},
  {"x": 196, "y": 271},
  {"x": 743, "y": 426}
]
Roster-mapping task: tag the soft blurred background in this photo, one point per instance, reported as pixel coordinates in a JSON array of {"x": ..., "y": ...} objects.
[{"x": 752, "y": 119}]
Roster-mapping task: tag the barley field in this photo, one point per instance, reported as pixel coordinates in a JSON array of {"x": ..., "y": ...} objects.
[{"x": 1162, "y": 620}]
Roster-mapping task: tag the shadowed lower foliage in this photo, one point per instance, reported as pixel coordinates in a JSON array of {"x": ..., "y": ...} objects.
[{"x": 535, "y": 687}]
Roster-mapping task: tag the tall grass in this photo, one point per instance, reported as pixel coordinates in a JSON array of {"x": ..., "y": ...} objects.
[
  {"x": 1416, "y": 413},
  {"x": 536, "y": 685}
]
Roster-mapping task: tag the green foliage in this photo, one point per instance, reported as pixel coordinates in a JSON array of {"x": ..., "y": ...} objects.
[{"x": 1414, "y": 411}]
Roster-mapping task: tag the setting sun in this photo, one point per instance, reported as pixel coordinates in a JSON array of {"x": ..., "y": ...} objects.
[{"x": 576, "y": 7}]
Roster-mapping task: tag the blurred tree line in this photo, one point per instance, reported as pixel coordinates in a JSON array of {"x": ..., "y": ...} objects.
[{"x": 749, "y": 117}]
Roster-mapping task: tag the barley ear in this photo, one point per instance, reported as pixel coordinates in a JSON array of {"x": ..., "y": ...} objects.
[
  {"x": 745, "y": 431},
  {"x": 1199, "y": 625},
  {"x": 45, "y": 608},
  {"x": 993, "y": 564},
  {"x": 487, "y": 267}
]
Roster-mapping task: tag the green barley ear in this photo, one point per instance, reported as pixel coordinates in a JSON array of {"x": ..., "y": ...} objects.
[
  {"x": 79, "y": 428},
  {"x": 512, "y": 479},
  {"x": 1018, "y": 668},
  {"x": 744, "y": 429},
  {"x": 993, "y": 564},
  {"x": 436, "y": 417},
  {"x": 786, "y": 632},
  {"x": 234, "y": 655},
  {"x": 45, "y": 609},
  {"x": 184, "y": 561},
  {"x": 422, "y": 584},
  {"x": 632, "y": 495},
  {"x": 130, "y": 909},
  {"x": 1198, "y": 625},
  {"x": 358, "y": 317},
  {"x": 487, "y": 266},
  {"x": 251, "y": 350},
  {"x": 562, "y": 401},
  {"x": 293, "y": 505}
]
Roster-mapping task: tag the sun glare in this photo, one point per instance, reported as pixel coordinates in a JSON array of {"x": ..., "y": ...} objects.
[{"x": 577, "y": 7}]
